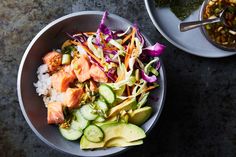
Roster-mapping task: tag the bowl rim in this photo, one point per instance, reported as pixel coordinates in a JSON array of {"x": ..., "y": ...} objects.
[
  {"x": 205, "y": 34},
  {"x": 23, "y": 59}
]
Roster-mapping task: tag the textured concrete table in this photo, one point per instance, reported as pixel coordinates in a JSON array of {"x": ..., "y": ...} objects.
[{"x": 199, "y": 117}]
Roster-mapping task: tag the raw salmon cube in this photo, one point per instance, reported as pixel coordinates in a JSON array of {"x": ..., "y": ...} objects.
[
  {"x": 55, "y": 113},
  {"x": 97, "y": 74},
  {"x": 68, "y": 69},
  {"x": 53, "y": 60},
  {"x": 73, "y": 97},
  {"x": 61, "y": 80},
  {"x": 81, "y": 68}
]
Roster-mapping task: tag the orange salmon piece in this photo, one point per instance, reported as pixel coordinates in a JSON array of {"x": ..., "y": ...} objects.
[
  {"x": 73, "y": 97},
  {"x": 55, "y": 113},
  {"x": 53, "y": 60},
  {"x": 97, "y": 74},
  {"x": 61, "y": 80},
  {"x": 68, "y": 69},
  {"x": 81, "y": 68}
]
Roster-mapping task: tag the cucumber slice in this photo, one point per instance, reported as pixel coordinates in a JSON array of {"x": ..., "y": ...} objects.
[
  {"x": 65, "y": 59},
  {"x": 101, "y": 105},
  {"x": 107, "y": 93},
  {"x": 82, "y": 122},
  {"x": 93, "y": 133},
  {"x": 70, "y": 133},
  {"x": 87, "y": 112},
  {"x": 75, "y": 125}
]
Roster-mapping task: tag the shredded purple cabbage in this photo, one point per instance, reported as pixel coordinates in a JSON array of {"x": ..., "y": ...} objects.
[
  {"x": 98, "y": 39},
  {"x": 154, "y": 50},
  {"x": 103, "y": 29},
  {"x": 111, "y": 74},
  {"x": 139, "y": 35},
  {"x": 158, "y": 65},
  {"x": 81, "y": 38},
  {"x": 109, "y": 60},
  {"x": 110, "y": 52},
  {"x": 147, "y": 78}
]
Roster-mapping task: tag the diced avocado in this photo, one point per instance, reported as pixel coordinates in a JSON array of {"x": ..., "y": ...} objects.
[
  {"x": 120, "y": 142},
  {"x": 139, "y": 116},
  {"x": 126, "y": 105},
  {"x": 129, "y": 132}
]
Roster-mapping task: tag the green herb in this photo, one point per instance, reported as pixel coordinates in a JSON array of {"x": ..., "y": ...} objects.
[
  {"x": 68, "y": 49},
  {"x": 181, "y": 8}
]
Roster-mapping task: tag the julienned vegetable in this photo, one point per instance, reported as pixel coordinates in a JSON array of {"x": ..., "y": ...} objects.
[{"x": 98, "y": 84}]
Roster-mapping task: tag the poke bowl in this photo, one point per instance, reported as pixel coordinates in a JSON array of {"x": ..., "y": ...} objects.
[{"x": 35, "y": 108}]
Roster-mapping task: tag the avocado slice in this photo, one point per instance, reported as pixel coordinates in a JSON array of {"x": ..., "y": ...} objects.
[
  {"x": 120, "y": 142},
  {"x": 86, "y": 144},
  {"x": 126, "y": 105},
  {"x": 106, "y": 122},
  {"x": 123, "y": 135},
  {"x": 129, "y": 132},
  {"x": 114, "y": 142},
  {"x": 139, "y": 116}
]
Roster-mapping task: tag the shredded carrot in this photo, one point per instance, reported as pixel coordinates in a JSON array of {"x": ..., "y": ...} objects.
[
  {"x": 132, "y": 39},
  {"x": 130, "y": 48},
  {"x": 110, "y": 48},
  {"x": 88, "y": 51},
  {"x": 127, "y": 57},
  {"x": 148, "y": 89},
  {"x": 104, "y": 42},
  {"x": 126, "y": 38}
]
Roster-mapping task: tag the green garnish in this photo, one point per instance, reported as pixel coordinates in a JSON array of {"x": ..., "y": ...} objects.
[{"x": 68, "y": 49}]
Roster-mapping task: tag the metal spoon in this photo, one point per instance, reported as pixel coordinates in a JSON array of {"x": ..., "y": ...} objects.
[{"x": 185, "y": 26}]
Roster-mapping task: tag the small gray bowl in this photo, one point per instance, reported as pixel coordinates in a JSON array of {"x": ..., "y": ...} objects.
[
  {"x": 204, "y": 32},
  {"x": 32, "y": 106}
]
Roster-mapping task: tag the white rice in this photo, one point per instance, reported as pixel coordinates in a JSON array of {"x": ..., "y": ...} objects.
[
  {"x": 44, "y": 88},
  {"x": 53, "y": 96},
  {"x": 43, "y": 84}
]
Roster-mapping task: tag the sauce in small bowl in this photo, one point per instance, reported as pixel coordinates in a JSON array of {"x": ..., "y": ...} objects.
[{"x": 220, "y": 34}]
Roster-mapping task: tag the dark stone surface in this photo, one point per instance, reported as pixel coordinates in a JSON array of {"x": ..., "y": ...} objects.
[{"x": 199, "y": 117}]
